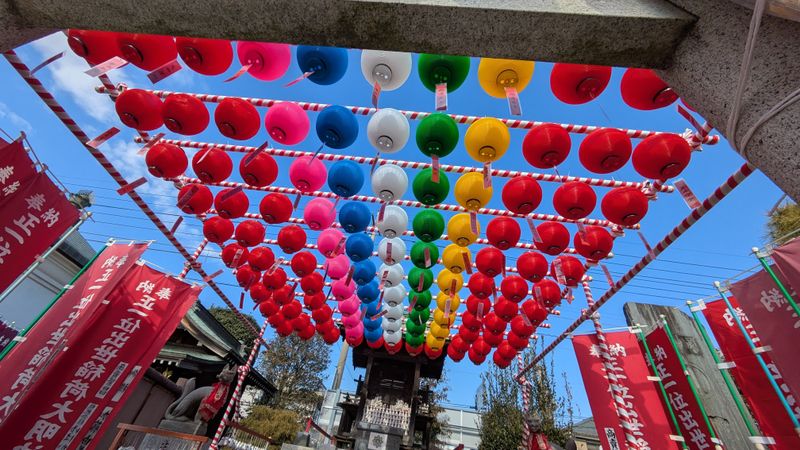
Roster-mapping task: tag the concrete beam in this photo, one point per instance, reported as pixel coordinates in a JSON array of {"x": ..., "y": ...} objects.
[
  {"x": 619, "y": 33},
  {"x": 13, "y": 32}
]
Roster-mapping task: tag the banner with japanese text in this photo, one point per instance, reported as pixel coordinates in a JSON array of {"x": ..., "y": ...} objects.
[
  {"x": 33, "y": 213},
  {"x": 774, "y": 320},
  {"x": 753, "y": 383},
  {"x": 787, "y": 259},
  {"x": 645, "y": 408},
  {"x": 74, "y": 401},
  {"x": 686, "y": 408}
]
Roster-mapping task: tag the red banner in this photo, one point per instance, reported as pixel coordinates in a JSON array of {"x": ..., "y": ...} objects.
[
  {"x": 74, "y": 401},
  {"x": 640, "y": 393},
  {"x": 16, "y": 168},
  {"x": 748, "y": 375},
  {"x": 776, "y": 322},
  {"x": 32, "y": 218},
  {"x": 684, "y": 405},
  {"x": 787, "y": 259}
]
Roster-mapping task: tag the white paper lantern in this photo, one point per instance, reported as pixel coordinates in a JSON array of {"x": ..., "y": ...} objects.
[
  {"x": 389, "y": 182},
  {"x": 393, "y": 222},
  {"x": 391, "y": 250},
  {"x": 389, "y": 69},
  {"x": 394, "y": 275},
  {"x": 395, "y": 294},
  {"x": 392, "y": 337},
  {"x": 394, "y": 313},
  {"x": 388, "y": 130}
]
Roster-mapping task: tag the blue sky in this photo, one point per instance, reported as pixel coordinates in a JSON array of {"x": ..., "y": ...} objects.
[{"x": 715, "y": 249}]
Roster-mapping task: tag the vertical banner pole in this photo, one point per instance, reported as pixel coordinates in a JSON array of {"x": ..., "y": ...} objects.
[
  {"x": 523, "y": 384},
  {"x": 717, "y": 442},
  {"x": 760, "y": 359},
  {"x": 652, "y": 365},
  {"x": 725, "y": 375},
  {"x": 237, "y": 391},
  {"x": 765, "y": 264}
]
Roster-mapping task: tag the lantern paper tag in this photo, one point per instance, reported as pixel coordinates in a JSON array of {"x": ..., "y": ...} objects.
[
  {"x": 526, "y": 320},
  {"x": 205, "y": 153},
  {"x": 473, "y": 222},
  {"x": 316, "y": 153},
  {"x": 650, "y": 251},
  {"x": 607, "y": 272},
  {"x": 252, "y": 155},
  {"x": 376, "y": 94},
  {"x": 453, "y": 285},
  {"x": 275, "y": 265},
  {"x": 479, "y": 311},
  {"x": 381, "y": 211},
  {"x": 175, "y": 225},
  {"x": 374, "y": 230},
  {"x": 184, "y": 199},
  {"x": 379, "y": 315},
  {"x": 538, "y": 292},
  {"x": 413, "y": 302},
  {"x": 435, "y": 169},
  {"x": 421, "y": 283},
  {"x": 687, "y": 194},
  {"x": 374, "y": 162},
  {"x": 467, "y": 263},
  {"x": 513, "y": 101},
  {"x": 534, "y": 231},
  {"x": 325, "y": 274},
  {"x": 236, "y": 257},
  {"x": 297, "y": 200},
  {"x": 581, "y": 227},
  {"x": 164, "y": 71},
  {"x": 363, "y": 313},
  {"x": 427, "y": 254},
  {"x": 47, "y": 62},
  {"x": 299, "y": 79},
  {"x": 384, "y": 276},
  {"x": 441, "y": 96},
  {"x": 241, "y": 300},
  {"x": 504, "y": 266},
  {"x": 447, "y": 309},
  {"x": 388, "y": 252},
  {"x": 208, "y": 278},
  {"x": 105, "y": 66},
  {"x": 494, "y": 294},
  {"x": 338, "y": 247},
  {"x": 349, "y": 275},
  {"x": 150, "y": 144},
  {"x": 335, "y": 203},
  {"x": 487, "y": 175},
  {"x": 238, "y": 73},
  {"x": 131, "y": 186},
  {"x": 106, "y": 135},
  {"x": 559, "y": 274},
  {"x": 294, "y": 288},
  {"x": 230, "y": 193}
]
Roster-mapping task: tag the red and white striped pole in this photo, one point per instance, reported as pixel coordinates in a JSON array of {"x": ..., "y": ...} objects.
[
  {"x": 526, "y": 406},
  {"x": 193, "y": 259},
  {"x": 233, "y": 404}
]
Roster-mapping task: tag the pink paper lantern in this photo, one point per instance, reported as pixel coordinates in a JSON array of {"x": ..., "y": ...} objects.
[
  {"x": 319, "y": 214},
  {"x": 342, "y": 290},
  {"x": 287, "y": 123},
  {"x": 328, "y": 242},
  {"x": 351, "y": 321},
  {"x": 349, "y": 306},
  {"x": 338, "y": 267},
  {"x": 353, "y": 337},
  {"x": 308, "y": 174},
  {"x": 267, "y": 61}
]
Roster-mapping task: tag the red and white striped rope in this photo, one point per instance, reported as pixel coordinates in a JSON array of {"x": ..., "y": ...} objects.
[
  {"x": 721, "y": 192},
  {"x": 526, "y": 405},
  {"x": 234, "y": 402},
  {"x": 417, "y": 115},
  {"x": 76, "y": 130},
  {"x": 369, "y": 160},
  {"x": 193, "y": 260}
]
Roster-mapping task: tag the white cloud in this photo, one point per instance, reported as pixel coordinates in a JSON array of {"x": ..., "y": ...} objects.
[{"x": 6, "y": 114}]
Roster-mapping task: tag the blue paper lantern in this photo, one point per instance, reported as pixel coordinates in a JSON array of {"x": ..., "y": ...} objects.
[
  {"x": 364, "y": 271},
  {"x": 369, "y": 292},
  {"x": 354, "y": 217},
  {"x": 337, "y": 127},
  {"x": 345, "y": 178},
  {"x": 373, "y": 335},
  {"x": 373, "y": 308},
  {"x": 328, "y": 63},
  {"x": 358, "y": 247}
]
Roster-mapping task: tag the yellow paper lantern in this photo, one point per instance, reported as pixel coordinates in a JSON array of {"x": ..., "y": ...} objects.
[
  {"x": 434, "y": 342},
  {"x": 494, "y": 75},
  {"x": 459, "y": 230},
  {"x": 453, "y": 258},
  {"x": 439, "y": 331},
  {"x": 439, "y": 319},
  {"x": 441, "y": 302},
  {"x": 447, "y": 279},
  {"x": 486, "y": 140},
  {"x": 470, "y": 193}
]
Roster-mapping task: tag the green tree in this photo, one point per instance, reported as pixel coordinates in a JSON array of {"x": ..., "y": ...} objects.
[
  {"x": 784, "y": 223},
  {"x": 280, "y": 425},
  {"x": 498, "y": 399},
  {"x": 553, "y": 413},
  {"x": 231, "y": 322},
  {"x": 296, "y": 367}
]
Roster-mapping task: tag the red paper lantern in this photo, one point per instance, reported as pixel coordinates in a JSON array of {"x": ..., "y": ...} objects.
[
  {"x": 205, "y": 56},
  {"x": 234, "y": 255},
  {"x": 231, "y": 204},
  {"x": 506, "y": 351},
  {"x": 303, "y": 263},
  {"x": 522, "y": 194},
  {"x": 475, "y": 357},
  {"x": 546, "y": 146},
  {"x": 268, "y": 308},
  {"x": 139, "y": 109},
  {"x": 195, "y": 198},
  {"x": 284, "y": 329},
  {"x": 260, "y": 171},
  {"x": 291, "y": 239},
  {"x": 332, "y": 336},
  {"x": 470, "y": 321},
  {"x": 246, "y": 276},
  {"x": 547, "y": 292},
  {"x": 301, "y": 322},
  {"x": 594, "y": 243},
  {"x": 275, "y": 280},
  {"x": 275, "y": 208},
  {"x": 284, "y": 295},
  {"x": 474, "y": 305},
  {"x": 94, "y": 46},
  {"x": 503, "y": 232},
  {"x": 501, "y": 362},
  {"x": 575, "y": 84},
  {"x": 393, "y": 348},
  {"x": 261, "y": 258},
  {"x": 250, "y": 233},
  {"x": 147, "y": 51},
  {"x": 605, "y": 150},
  {"x": 431, "y": 353},
  {"x": 314, "y": 301},
  {"x": 259, "y": 293},
  {"x": 574, "y": 200},
  {"x": 459, "y": 344},
  {"x": 166, "y": 160},
  {"x": 554, "y": 236},
  {"x": 468, "y": 335},
  {"x": 312, "y": 283},
  {"x": 306, "y": 333},
  {"x": 237, "y": 118},
  {"x": 493, "y": 339},
  {"x": 520, "y": 343},
  {"x": 481, "y": 347},
  {"x": 490, "y": 261},
  {"x": 217, "y": 230},
  {"x": 571, "y": 268},
  {"x": 480, "y": 285},
  {"x": 643, "y": 89},
  {"x": 184, "y": 114},
  {"x": 324, "y": 327},
  {"x": 532, "y": 266},
  {"x": 505, "y": 308},
  {"x": 322, "y": 313},
  {"x": 625, "y": 206},
  {"x": 492, "y": 322},
  {"x": 413, "y": 351},
  {"x": 454, "y": 354},
  {"x": 291, "y": 310},
  {"x": 521, "y": 327},
  {"x": 376, "y": 344},
  {"x": 514, "y": 288},
  {"x": 535, "y": 311},
  {"x": 661, "y": 156},
  {"x": 212, "y": 165}
]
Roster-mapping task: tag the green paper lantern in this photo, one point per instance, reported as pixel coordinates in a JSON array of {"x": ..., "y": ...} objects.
[
  {"x": 414, "y": 328},
  {"x": 437, "y": 135},
  {"x": 424, "y": 299},
  {"x": 418, "y": 254},
  {"x": 426, "y": 191},
  {"x": 420, "y": 315},
  {"x": 428, "y": 225},
  {"x": 435, "y": 69},
  {"x": 415, "y": 274},
  {"x": 414, "y": 341}
]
